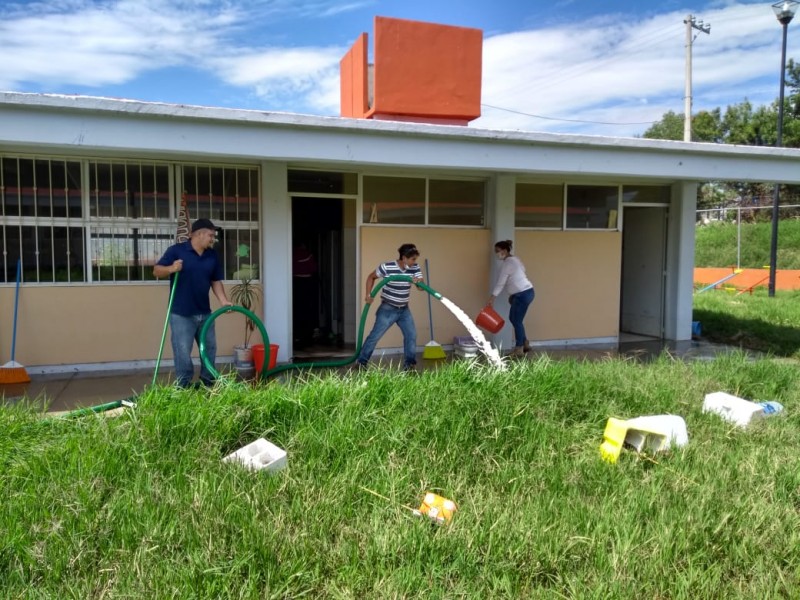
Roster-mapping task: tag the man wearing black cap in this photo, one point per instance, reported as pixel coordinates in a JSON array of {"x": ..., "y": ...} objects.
[{"x": 200, "y": 270}]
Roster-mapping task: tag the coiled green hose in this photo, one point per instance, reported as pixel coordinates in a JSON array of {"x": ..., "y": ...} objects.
[{"x": 265, "y": 372}]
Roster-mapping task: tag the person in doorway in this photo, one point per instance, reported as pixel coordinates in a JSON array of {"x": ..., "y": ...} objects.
[
  {"x": 305, "y": 294},
  {"x": 200, "y": 270},
  {"x": 513, "y": 279},
  {"x": 394, "y": 305}
]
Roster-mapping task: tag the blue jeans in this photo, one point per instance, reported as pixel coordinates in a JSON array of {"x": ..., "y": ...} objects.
[
  {"x": 386, "y": 316},
  {"x": 519, "y": 306},
  {"x": 185, "y": 331}
]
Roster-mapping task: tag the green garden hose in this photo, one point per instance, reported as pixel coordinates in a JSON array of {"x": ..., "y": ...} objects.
[
  {"x": 266, "y": 372},
  {"x": 166, "y": 322},
  {"x": 117, "y": 403}
]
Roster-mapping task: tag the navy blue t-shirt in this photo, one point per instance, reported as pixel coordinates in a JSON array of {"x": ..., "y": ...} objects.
[{"x": 191, "y": 295}]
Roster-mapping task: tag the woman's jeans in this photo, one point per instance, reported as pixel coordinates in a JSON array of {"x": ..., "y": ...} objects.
[
  {"x": 519, "y": 306},
  {"x": 386, "y": 316},
  {"x": 186, "y": 331}
]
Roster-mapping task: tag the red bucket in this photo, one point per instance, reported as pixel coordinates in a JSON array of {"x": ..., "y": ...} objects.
[
  {"x": 490, "y": 320},
  {"x": 258, "y": 356}
]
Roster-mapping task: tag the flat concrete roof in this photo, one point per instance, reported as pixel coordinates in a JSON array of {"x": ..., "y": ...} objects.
[{"x": 83, "y": 123}]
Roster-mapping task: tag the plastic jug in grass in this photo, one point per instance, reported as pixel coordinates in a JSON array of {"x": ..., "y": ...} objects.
[{"x": 771, "y": 408}]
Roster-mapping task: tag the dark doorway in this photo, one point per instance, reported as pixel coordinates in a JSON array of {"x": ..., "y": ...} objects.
[{"x": 317, "y": 266}]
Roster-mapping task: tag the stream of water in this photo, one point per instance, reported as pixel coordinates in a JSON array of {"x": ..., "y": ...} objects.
[{"x": 483, "y": 344}]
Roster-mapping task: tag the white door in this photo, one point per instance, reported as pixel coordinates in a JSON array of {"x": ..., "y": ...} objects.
[{"x": 643, "y": 254}]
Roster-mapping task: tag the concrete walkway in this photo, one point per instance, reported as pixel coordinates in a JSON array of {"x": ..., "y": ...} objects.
[{"x": 58, "y": 393}]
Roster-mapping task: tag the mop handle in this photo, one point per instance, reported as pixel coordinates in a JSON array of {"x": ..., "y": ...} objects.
[
  {"x": 166, "y": 322},
  {"x": 16, "y": 304},
  {"x": 430, "y": 311}
]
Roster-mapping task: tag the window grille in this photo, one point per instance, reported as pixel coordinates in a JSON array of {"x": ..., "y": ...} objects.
[
  {"x": 229, "y": 197},
  {"x": 109, "y": 221},
  {"x": 40, "y": 220}
]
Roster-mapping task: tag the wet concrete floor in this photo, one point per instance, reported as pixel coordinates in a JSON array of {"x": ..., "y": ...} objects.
[{"x": 64, "y": 392}]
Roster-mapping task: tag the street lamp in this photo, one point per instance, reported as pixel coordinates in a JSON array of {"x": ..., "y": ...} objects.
[{"x": 785, "y": 13}]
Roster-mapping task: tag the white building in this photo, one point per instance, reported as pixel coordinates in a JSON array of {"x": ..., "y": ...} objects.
[{"x": 89, "y": 190}]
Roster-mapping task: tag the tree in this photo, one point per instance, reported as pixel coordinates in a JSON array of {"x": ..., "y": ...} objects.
[
  {"x": 706, "y": 127},
  {"x": 670, "y": 127}
]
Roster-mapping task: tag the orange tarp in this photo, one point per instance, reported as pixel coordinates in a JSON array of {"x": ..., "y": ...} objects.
[{"x": 785, "y": 279}]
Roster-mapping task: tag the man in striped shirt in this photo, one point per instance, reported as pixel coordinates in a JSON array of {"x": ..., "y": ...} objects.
[{"x": 394, "y": 305}]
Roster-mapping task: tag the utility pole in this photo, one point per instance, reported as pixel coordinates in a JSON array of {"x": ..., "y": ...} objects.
[{"x": 691, "y": 23}]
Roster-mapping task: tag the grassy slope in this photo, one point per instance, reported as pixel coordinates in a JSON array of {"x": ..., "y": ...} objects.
[
  {"x": 715, "y": 245},
  {"x": 140, "y": 506},
  {"x": 752, "y": 321}
]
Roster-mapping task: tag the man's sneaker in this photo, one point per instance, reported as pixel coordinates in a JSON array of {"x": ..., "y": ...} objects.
[{"x": 410, "y": 369}]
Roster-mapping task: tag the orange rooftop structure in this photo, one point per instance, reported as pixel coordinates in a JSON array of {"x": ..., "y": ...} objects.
[{"x": 422, "y": 72}]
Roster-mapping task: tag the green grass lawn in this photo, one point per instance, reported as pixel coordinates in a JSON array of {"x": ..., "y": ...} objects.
[
  {"x": 140, "y": 506},
  {"x": 716, "y": 245},
  {"x": 755, "y": 321}
]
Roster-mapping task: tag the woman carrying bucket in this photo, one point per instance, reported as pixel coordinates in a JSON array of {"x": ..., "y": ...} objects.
[{"x": 513, "y": 279}]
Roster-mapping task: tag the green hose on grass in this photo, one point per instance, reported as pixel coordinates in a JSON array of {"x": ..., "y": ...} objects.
[
  {"x": 266, "y": 372},
  {"x": 132, "y": 400}
]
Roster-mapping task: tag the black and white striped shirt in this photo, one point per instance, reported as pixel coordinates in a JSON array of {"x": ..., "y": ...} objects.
[{"x": 397, "y": 293}]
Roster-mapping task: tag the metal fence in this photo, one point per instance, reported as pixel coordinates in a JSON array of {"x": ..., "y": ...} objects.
[{"x": 734, "y": 214}]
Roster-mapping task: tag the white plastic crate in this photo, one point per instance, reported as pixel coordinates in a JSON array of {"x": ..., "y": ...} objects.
[{"x": 259, "y": 455}]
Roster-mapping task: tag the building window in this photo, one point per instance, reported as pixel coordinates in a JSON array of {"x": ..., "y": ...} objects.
[
  {"x": 592, "y": 206},
  {"x": 229, "y": 197},
  {"x": 41, "y": 220},
  {"x": 407, "y": 201},
  {"x": 395, "y": 200},
  {"x": 129, "y": 219},
  {"x": 539, "y": 205},
  {"x": 646, "y": 194},
  {"x": 49, "y": 253},
  {"x": 110, "y": 221},
  {"x": 455, "y": 202}
]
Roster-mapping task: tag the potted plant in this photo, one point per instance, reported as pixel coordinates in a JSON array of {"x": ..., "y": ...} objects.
[{"x": 246, "y": 294}]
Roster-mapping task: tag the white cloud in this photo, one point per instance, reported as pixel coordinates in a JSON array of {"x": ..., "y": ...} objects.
[
  {"x": 97, "y": 45},
  {"x": 606, "y": 69},
  {"x": 628, "y": 72},
  {"x": 94, "y": 43},
  {"x": 291, "y": 78}
]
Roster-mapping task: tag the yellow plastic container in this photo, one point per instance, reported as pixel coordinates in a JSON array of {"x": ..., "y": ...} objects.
[
  {"x": 437, "y": 508},
  {"x": 619, "y": 432}
]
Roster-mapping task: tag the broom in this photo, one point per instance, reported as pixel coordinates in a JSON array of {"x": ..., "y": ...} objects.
[
  {"x": 13, "y": 372},
  {"x": 432, "y": 350}
]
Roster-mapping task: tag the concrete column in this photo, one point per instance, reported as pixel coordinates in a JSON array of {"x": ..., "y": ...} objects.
[
  {"x": 502, "y": 194},
  {"x": 680, "y": 262},
  {"x": 276, "y": 256}
]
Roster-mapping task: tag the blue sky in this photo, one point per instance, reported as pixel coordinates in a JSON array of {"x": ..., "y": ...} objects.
[{"x": 571, "y": 66}]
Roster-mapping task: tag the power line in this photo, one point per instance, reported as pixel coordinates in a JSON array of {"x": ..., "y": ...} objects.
[{"x": 517, "y": 112}]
